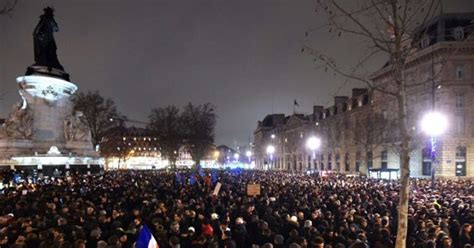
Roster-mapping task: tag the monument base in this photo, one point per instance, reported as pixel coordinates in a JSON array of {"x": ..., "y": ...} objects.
[{"x": 45, "y": 71}]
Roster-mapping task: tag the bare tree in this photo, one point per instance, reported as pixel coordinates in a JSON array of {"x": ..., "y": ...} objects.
[
  {"x": 167, "y": 125},
  {"x": 372, "y": 132},
  {"x": 114, "y": 145},
  {"x": 334, "y": 138},
  {"x": 101, "y": 115},
  {"x": 391, "y": 29},
  {"x": 199, "y": 122},
  {"x": 7, "y": 6}
]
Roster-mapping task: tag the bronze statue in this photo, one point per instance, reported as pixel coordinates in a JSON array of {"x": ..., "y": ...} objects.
[{"x": 46, "y": 59}]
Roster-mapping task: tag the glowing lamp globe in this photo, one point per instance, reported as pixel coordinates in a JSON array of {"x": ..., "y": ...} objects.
[
  {"x": 248, "y": 153},
  {"x": 270, "y": 149},
  {"x": 434, "y": 123},
  {"x": 313, "y": 143}
]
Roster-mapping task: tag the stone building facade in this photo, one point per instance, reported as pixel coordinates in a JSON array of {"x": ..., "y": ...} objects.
[{"x": 357, "y": 132}]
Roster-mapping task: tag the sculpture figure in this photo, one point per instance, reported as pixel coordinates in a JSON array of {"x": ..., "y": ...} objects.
[
  {"x": 46, "y": 59},
  {"x": 44, "y": 44},
  {"x": 19, "y": 124},
  {"x": 75, "y": 129}
]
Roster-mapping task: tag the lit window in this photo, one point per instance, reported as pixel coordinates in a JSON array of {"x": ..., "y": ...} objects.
[{"x": 459, "y": 33}]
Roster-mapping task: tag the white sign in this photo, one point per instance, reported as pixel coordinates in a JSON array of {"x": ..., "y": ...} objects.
[{"x": 217, "y": 188}]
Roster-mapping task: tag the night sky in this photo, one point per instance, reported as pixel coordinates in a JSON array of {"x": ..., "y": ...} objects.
[{"x": 242, "y": 55}]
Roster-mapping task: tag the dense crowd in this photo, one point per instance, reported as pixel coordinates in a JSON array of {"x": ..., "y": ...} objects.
[{"x": 181, "y": 210}]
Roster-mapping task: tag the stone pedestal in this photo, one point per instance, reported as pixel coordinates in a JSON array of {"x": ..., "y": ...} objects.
[
  {"x": 44, "y": 122},
  {"x": 48, "y": 100}
]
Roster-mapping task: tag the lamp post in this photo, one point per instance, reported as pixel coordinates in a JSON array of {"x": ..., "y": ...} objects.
[
  {"x": 433, "y": 124},
  {"x": 236, "y": 157},
  {"x": 249, "y": 155},
  {"x": 313, "y": 143},
  {"x": 270, "y": 152}
]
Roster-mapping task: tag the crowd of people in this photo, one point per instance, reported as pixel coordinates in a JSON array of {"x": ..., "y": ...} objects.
[{"x": 182, "y": 210}]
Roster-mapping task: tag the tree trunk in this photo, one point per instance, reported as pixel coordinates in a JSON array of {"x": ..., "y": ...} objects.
[{"x": 404, "y": 171}]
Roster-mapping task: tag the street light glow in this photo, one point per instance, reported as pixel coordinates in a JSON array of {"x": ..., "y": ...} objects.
[
  {"x": 272, "y": 136},
  {"x": 313, "y": 143},
  {"x": 248, "y": 153},
  {"x": 434, "y": 124},
  {"x": 236, "y": 156},
  {"x": 270, "y": 149}
]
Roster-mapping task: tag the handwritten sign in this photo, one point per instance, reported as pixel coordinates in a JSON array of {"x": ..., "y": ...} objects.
[
  {"x": 253, "y": 189},
  {"x": 217, "y": 188}
]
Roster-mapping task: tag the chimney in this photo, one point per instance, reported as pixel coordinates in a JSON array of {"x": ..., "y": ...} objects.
[
  {"x": 340, "y": 100},
  {"x": 359, "y": 91},
  {"x": 317, "y": 109}
]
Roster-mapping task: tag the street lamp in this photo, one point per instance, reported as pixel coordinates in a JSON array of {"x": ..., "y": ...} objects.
[
  {"x": 236, "y": 156},
  {"x": 249, "y": 155},
  {"x": 313, "y": 143},
  {"x": 433, "y": 124},
  {"x": 270, "y": 152}
]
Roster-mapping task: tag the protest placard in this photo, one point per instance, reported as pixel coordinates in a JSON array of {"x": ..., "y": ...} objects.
[
  {"x": 217, "y": 188},
  {"x": 253, "y": 189}
]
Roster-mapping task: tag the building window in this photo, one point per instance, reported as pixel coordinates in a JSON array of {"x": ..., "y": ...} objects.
[
  {"x": 426, "y": 161},
  {"x": 357, "y": 163},
  {"x": 459, "y": 100},
  {"x": 338, "y": 162},
  {"x": 460, "y": 161},
  {"x": 460, "y": 72},
  {"x": 329, "y": 161},
  {"x": 309, "y": 162},
  {"x": 460, "y": 124},
  {"x": 370, "y": 159},
  {"x": 459, "y": 33},
  {"x": 347, "y": 162},
  {"x": 322, "y": 162},
  {"x": 461, "y": 153},
  {"x": 384, "y": 158}
]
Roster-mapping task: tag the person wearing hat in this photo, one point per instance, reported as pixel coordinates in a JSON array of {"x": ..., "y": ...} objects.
[{"x": 188, "y": 237}]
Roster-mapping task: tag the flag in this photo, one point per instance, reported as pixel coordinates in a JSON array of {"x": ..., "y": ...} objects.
[
  {"x": 214, "y": 176},
  {"x": 295, "y": 103},
  {"x": 200, "y": 172},
  {"x": 192, "y": 179},
  {"x": 145, "y": 239},
  {"x": 179, "y": 179}
]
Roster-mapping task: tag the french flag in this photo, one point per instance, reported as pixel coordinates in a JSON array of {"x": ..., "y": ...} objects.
[{"x": 145, "y": 239}]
